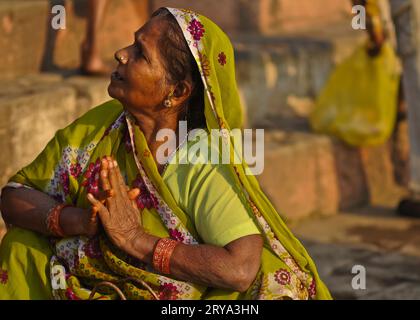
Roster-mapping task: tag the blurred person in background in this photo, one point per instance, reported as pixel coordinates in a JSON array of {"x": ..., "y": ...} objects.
[
  {"x": 91, "y": 61},
  {"x": 406, "y": 17}
]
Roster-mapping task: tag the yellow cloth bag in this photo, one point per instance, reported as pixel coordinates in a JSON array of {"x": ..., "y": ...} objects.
[{"x": 359, "y": 102}]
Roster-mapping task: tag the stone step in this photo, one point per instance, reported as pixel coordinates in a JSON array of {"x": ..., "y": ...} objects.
[
  {"x": 307, "y": 175},
  {"x": 280, "y": 77},
  {"x": 267, "y": 17},
  {"x": 34, "y": 107}
]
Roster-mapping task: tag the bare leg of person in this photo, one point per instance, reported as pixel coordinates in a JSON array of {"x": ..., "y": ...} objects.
[
  {"x": 406, "y": 16},
  {"x": 91, "y": 60}
]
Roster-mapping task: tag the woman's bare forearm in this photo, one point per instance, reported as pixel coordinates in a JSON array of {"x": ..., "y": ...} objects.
[
  {"x": 215, "y": 266},
  {"x": 28, "y": 209},
  {"x": 233, "y": 267}
]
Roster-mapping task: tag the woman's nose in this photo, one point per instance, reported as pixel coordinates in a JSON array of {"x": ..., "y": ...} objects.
[{"x": 121, "y": 56}]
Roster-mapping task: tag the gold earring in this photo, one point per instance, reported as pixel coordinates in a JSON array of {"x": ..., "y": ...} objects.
[{"x": 168, "y": 103}]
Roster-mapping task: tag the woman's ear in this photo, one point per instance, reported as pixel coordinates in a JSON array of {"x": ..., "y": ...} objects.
[{"x": 181, "y": 93}]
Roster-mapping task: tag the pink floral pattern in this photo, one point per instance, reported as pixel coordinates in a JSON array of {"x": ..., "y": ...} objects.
[
  {"x": 71, "y": 295},
  {"x": 75, "y": 169},
  {"x": 282, "y": 276},
  {"x": 91, "y": 181},
  {"x": 168, "y": 291},
  {"x": 176, "y": 235},
  {"x": 4, "y": 277},
  {"x": 92, "y": 249},
  {"x": 145, "y": 198},
  {"x": 196, "y": 29},
  {"x": 312, "y": 289},
  {"x": 65, "y": 182},
  {"x": 222, "y": 58}
]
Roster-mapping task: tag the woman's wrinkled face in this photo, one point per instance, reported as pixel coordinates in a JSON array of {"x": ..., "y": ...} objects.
[{"x": 139, "y": 80}]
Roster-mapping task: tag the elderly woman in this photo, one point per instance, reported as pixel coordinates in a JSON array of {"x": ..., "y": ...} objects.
[{"x": 96, "y": 215}]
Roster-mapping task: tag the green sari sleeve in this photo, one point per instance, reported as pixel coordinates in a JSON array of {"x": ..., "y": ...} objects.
[{"x": 58, "y": 168}]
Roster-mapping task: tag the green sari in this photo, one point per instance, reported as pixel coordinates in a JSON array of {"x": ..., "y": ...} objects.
[{"x": 67, "y": 169}]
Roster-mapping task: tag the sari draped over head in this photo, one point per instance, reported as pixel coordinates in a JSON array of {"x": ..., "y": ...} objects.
[{"x": 68, "y": 168}]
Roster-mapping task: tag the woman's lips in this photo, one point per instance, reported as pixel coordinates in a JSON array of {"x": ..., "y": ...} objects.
[{"x": 116, "y": 76}]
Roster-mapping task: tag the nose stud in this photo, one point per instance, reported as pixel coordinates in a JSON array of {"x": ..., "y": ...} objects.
[{"x": 121, "y": 59}]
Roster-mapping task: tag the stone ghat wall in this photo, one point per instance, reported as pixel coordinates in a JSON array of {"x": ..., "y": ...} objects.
[
  {"x": 266, "y": 17},
  {"x": 29, "y": 44},
  {"x": 34, "y": 107}
]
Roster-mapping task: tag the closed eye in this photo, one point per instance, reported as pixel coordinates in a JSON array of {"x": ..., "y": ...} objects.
[{"x": 140, "y": 49}]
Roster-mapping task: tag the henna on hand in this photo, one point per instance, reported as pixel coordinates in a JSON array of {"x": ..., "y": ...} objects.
[{"x": 119, "y": 213}]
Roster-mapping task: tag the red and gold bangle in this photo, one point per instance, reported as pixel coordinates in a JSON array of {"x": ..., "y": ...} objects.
[
  {"x": 157, "y": 255},
  {"x": 53, "y": 221},
  {"x": 166, "y": 259},
  {"x": 162, "y": 255}
]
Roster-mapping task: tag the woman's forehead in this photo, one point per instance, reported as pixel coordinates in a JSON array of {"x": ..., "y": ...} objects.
[{"x": 151, "y": 30}]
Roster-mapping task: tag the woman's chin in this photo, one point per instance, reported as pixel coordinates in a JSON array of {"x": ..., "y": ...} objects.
[
  {"x": 114, "y": 91},
  {"x": 117, "y": 94}
]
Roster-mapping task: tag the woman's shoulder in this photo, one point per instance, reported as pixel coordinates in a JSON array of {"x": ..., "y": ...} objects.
[
  {"x": 105, "y": 112},
  {"x": 93, "y": 122}
]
